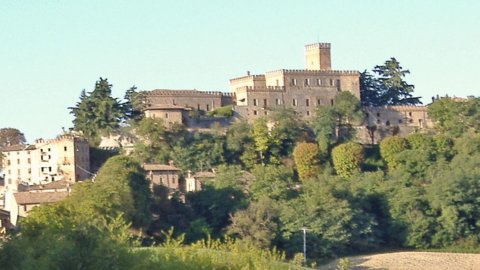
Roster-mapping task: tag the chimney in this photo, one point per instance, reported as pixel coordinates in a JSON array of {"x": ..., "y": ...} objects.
[
  {"x": 248, "y": 72},
  {"x": 170, "y": 162}
]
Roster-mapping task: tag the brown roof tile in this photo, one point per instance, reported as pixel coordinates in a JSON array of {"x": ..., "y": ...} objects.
[
  {"x": 61, "y": 184},
  {"x": 39, "y": 197},
  {"x": 17, "y": 147},
  {"x": 159, "y": 167}
]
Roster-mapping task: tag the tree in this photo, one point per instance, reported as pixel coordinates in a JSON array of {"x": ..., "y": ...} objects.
[
  {"x": 387, "y": 87},
  {"x": 262, "y": 139},
  {"x": 455, "y": 117},
  {"x": 287, "y": 129},
  {"x": 370, "y": 89},
  {"x": 390, "y": 147},
  {"x": 258, "y": 224},
  {"x": 307, "y": 160},
  {"x": 97, "y": 113},
  {"x": 134, "y": 104},
  {"x": 274, "y": 182},
  {"x": 347, "y": 158},
  {"x": 324, "y": 128},
  {"x": 11, "y": 136}
]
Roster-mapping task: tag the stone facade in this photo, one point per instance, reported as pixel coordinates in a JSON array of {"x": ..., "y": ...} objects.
[
  {"x": 255, "y": 95},
  {"x": 193, "y": 99},
  {"x": 164, "y": 175}
]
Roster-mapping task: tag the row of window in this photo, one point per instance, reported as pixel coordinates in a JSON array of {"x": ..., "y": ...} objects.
[
  {"x": 316, "y": 82},
  {"x": 294, "y": 102},
  {"x": 255, "y": 112},
  {"x": 378, "y": 114}
]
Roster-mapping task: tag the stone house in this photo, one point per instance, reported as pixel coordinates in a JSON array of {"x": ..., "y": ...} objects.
[
  {"x": 162, "y": 174},
  {"x": 193, "y": 182}
]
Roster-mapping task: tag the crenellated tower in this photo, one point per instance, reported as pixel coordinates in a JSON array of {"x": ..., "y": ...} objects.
[{"x": 317, "y": 56}]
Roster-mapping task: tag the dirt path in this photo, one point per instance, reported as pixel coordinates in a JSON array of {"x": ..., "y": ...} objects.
[{"x": 413, "y": 261}]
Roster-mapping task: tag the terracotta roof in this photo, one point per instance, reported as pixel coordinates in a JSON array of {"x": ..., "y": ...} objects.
[
  {"x": 204, "y": 175},
  {"x": 39, "y": 197},
  {"x": 159, "y": 167},
  {"x": 17, "y": 147},
  {"x": 166, "y": 107},
  {"x": 61, "y": 184}
]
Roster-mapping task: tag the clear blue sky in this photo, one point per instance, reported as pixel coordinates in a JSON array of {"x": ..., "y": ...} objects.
[{"x": 51, "y": 50}]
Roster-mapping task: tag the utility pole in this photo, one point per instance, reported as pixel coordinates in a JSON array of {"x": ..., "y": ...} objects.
[{"x": 304, "y": 245}]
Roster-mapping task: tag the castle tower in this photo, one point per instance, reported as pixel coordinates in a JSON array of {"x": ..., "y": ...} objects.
[{"x": 317, "y": 56}]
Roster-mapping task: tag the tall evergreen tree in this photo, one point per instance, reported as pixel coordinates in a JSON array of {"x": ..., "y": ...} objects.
[{"x": 97, "y": 113}]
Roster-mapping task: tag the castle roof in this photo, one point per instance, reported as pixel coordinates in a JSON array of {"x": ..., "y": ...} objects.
[
  {"x": 159, "y": 167},
  {"x": 39, "y": 197},
  {"x": 61, "y": 184},
  {"x": 17, "y": 147},
  {"x": 192, "y": 92}
]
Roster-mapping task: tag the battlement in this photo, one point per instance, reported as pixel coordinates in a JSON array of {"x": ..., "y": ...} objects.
[
  {"x": 58, "y": 139},
  {"x": 317, "y": 46},
  {"x": 194, "y": 92},
  {"x": 314, "y": 72},
  {"x": 248, "y": 77},
  {"x": 404, "y": 108},
  {"x": 261, "y": 88}
]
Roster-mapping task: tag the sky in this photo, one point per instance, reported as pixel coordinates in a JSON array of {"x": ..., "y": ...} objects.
[{"x": 51, "y": 50}]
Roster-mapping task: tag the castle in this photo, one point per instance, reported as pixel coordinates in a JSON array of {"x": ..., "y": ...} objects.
[{"x": 255, "y": 95}]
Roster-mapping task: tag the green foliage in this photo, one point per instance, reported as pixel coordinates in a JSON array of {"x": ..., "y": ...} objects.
[
  {"x": 455, "y": 117},
  {"x": 390, "y": 147},
  {"x": 347, "y": 158},
  {"x": 225, "y": 111},
  {"x": 272, "y": 181},
  {"x": 134, "y": 104},
  {"x": 258, "y": 224},
  {"x": 211, "y": 254},
  {"x": 344, "y": 264},
  {"x": 97, "y": 113},
  {"x": 324, "y": 127},
  {"x": 11, "y": 136},
  {"x": 387, "y": 87},
  {"x": 307, "y": 160}
]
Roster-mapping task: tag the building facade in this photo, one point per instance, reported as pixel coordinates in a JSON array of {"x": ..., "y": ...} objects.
[{"x": 66, "y": 157}]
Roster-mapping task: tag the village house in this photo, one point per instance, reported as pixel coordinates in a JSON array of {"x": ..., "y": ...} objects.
[
  {"x": 163, "y": 175},
  {"x": 193, "y": 182}
]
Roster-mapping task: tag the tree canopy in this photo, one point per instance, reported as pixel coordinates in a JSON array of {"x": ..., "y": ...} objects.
[{"x": 387, "y": 86}]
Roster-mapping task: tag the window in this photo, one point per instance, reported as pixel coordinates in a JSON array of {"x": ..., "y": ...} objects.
[
  {"x": 294, "y": 81},
  {"x": 338, "y": 84},
  {"x": 366, "y": 115},
  {"x": 50, "y": 169},
  {"x": 307, "y": 102},
  {"x": 307, "y": 82},
  {"x": 378, "y": 114},
  {"x": 255, "y": 112},
  {"x": 387, "y": 123},
  {"x": 410, "y": 114},
  {"x": 318, "y": 102},
  {"x": 173, "y": 101},
  {"x": 208, "y": 108},
  {"x": 308, "y": 113},
  {"x": 294, "y": 102},
  {"x": 264, "y": 102},
  {"x": 8, "y": 162},
  {"x": 331, "y": 82},
  {"x": 29, "y": 170},
  {"x": 399, "y": 121},
  {"x": 410, "y": 120},
  {"x": 64, "y": 148},
  {"x": 198, "y": 107},
  {"x": 18, "y": 161},
  {"x": 166, "y": 115},
  {"x": 255, "y": 102},
  {"x": 265, "y": 112},
  {"x": 378, "y": 122},
  {"x": 319, "y": 82},
  {"x": 173, "y": 180},
  {"x": 331, "y": 102},
  {"x": 277, "y": 101}
]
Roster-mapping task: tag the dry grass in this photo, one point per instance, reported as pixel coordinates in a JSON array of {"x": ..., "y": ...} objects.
[{"x": 413, "y": 261}]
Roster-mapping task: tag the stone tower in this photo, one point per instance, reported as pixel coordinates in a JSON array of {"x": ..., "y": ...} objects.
[{"x": 317, "y": 56}]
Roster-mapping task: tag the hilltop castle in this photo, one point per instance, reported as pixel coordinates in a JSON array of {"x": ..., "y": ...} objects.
[{"x": 255, "y": 95}]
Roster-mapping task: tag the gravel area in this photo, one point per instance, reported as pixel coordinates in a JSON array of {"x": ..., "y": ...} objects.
[{"x": 413, "y": 261}]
